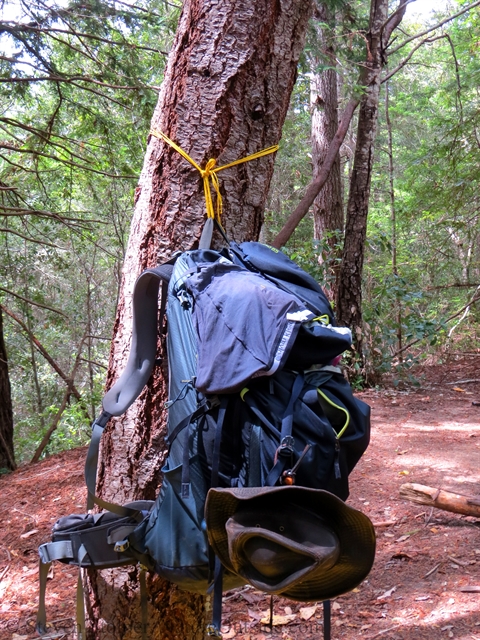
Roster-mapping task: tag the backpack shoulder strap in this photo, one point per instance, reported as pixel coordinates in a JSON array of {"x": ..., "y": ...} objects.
[
  {"x": 139, "y": 366},
  {"x": 143, "y": 347}
]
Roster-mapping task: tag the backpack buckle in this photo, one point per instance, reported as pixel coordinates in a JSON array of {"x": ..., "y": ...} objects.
[
  {"x": 121, "y": 546},
  {"x": 286, "y": 447},
  {"x": 213, "y": 632}
]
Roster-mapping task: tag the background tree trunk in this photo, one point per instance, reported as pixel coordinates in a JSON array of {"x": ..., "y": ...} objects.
[
  {"x": 328, "y": 205},
  {"x": 349, "y": 300},
  {"x": 7, "y": 457},
  {"x": 225, "y": 95}
]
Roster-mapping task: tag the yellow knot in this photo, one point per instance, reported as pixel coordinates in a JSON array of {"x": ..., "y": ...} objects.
[
  {"x": 209, "y": 174},
  {"x": 208, "y": 168}
]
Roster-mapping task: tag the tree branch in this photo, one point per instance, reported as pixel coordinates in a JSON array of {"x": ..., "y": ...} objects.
[
  {"x": 32, "y": 302},
  {"x": 474, "y": 300},
  {"x": 27, "y": 238},
  {"x": 16, "y": 28},
  {"x": 21, "y": 212},
  {"x": 316, "y": 185},
  {"x": 63, "y": 406},
  {"x": 11, "y": 147},
  {"x": 394, "y": 20},
  {"x": 408, "y": 58},
  {"x": 44, "y": 353},
  {"x": 436, "y": 26}
]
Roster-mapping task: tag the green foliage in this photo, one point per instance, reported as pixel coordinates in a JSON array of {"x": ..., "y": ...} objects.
[
  {"x": 433, "y": 104},
  {"x": 434, "y": 111}
]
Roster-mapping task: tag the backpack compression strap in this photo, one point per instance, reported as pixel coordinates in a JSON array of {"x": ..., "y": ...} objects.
[{"x": 141, "y": 361}]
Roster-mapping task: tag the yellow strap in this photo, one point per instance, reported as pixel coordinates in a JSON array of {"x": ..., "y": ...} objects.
[
  {"x": 209, "y": 174},
  {"x": 243, "y": 392},
  {"x": 325, "y": 320},
  {"x": 330, "y": 402}
]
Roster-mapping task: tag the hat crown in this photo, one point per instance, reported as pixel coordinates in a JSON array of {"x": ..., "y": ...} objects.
[{"x": 278, "y": 548}]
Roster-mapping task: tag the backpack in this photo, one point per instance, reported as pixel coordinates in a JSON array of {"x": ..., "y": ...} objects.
[{"x": 254, "y": 400}]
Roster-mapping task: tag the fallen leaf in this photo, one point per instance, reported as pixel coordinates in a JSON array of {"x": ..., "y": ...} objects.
[
  {"x": 421, "y": 598},
  {"x": 288, "y": 611},
  {"x": 336, "y": 606},
  {"x": 229, "y": 634},
  {"x": 387, "y": 594},
  {"x": 404, "y": 473},
  {"x": 27, "y": 535},
  {"x": 278, "y": 620},
  {"x": 307, "y": 612},
  {"x": 365, "y": 627},
  {"x": 402, "y": 538},
  {"x": 401, "y": 555},
  {"x": 258, "y": 616},
  {"x": 459, "y": 389}
]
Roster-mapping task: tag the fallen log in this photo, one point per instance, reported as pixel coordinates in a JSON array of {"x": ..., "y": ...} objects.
[{"x": 440, "y": 499}]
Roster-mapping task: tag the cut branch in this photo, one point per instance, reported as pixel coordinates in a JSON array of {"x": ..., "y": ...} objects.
[{"x": 440, "y": 499}]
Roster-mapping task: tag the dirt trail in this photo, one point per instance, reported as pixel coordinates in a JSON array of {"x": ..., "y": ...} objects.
[{"x": 427, "y": 567}]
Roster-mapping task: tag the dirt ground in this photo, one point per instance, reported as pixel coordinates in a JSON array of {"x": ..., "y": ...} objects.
[{"x": 425, "y": 583}]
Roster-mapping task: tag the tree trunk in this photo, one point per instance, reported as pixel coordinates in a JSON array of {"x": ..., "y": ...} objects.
[
  {"x": 349, "y": 301},
  {"x": 328, "y": 205},
  {"x": 393, "y": 218},
  {"x": 7, "y": 458},
  {"x": 225, "y": 95}
]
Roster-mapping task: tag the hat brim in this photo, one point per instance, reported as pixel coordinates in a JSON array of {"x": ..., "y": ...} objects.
[{"x": 354, "y": 530}]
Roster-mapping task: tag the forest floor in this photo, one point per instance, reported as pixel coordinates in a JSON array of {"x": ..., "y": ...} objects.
[{"x": 425, "y": 582}]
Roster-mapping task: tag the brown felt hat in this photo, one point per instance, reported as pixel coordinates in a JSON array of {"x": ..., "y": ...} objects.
[{"x": 301, "y": 543}]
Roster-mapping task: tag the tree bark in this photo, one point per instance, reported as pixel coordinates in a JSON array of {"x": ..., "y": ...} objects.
[
  {"x": 328, "y": 205},
  {"x": 349, "y": 299},
  {"x": 7, "y": 457},
  {"x": 225, "y": 95}
]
